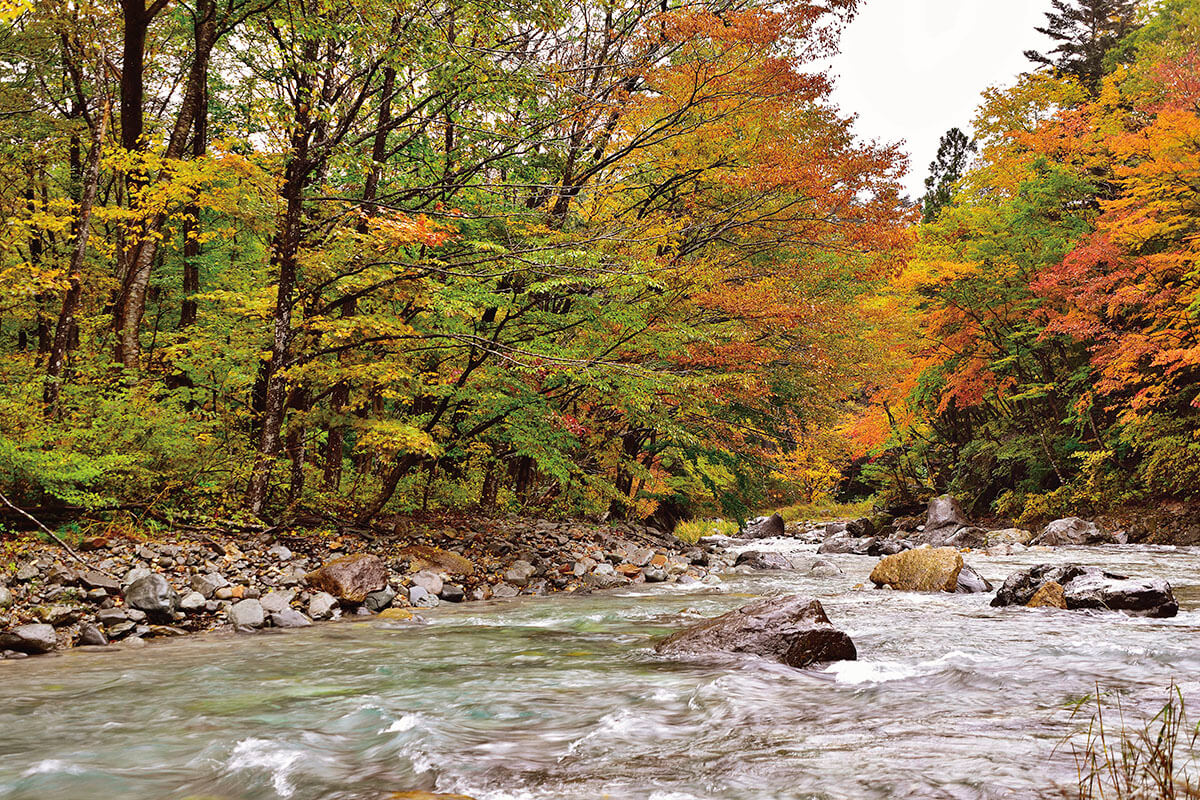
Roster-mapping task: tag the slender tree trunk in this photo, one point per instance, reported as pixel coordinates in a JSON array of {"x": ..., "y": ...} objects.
[
  {"x": 135, "y": 280},
  {"x": 65, "y": 328},
  {"x": 191, "y": 244},
  {"x": 286, "y": 249}
]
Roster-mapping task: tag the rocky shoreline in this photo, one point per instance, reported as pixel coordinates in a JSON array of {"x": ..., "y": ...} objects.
[{"x": 126, "y": 592}]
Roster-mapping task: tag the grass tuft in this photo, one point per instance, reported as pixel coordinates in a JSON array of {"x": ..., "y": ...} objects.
[{"x": 1157, "y": 760}]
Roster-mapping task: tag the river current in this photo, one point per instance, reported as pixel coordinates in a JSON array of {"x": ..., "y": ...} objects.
[{"x": 562, "y": 698}]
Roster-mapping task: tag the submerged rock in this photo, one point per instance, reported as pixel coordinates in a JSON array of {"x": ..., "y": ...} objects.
[
  {"x": 1087, "y": 587},
  {"x": 351, "y": 578},
  {"x": 791, "y": 629},
  {"x": 922, "y": 570}
]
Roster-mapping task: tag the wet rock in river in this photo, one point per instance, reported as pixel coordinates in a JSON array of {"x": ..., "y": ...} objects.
[
  {"x": 922, "y": 570},
  {"x": 771, "y": 527},
  {"x": 1008, "y": 536},
  {"x": 378, "y": 601},
  {"x": 791, "y": 629},
  {"x": 763, "y": 561},
  {"x": 971, "y": 582},
  {"x": 1048, "y": 595},
  {"x": 153, "y": 595},
  {"x": 1085, "y": 587},
  {"x": 350, "y": 578},
  {"x": 34, "y": 638}
]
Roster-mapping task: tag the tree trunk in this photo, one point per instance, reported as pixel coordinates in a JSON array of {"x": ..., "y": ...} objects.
[
  {"x": 65, "y": 328},
  {"x": 135, "y": 280},
  {"x": 286, "y": 249}
]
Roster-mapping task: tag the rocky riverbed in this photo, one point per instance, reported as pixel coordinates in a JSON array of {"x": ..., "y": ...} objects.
[{"x": 125, "y": 592}]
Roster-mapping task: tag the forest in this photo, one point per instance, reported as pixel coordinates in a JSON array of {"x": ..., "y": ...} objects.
[{"x": 327, "y": 261}]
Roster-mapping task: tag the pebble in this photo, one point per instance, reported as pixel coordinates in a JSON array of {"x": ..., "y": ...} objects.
[
  {"x": 192, "y": 601},
  {"x": 288, "y": 618},
  {"x": 275, "y": 602}
]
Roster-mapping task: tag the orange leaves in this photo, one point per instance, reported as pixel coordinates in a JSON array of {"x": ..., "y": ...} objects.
[{"x": 401, "y": 230}]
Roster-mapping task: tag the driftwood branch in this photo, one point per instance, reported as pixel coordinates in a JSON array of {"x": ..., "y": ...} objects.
[{"x": 48, "y": 532}]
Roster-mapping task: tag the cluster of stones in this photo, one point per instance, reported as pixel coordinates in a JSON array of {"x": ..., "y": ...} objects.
[
  {"x": 130, "y": 592},
  {"x": 925, "y": 555}
]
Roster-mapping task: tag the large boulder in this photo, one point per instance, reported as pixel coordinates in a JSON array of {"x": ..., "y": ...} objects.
[
  {"x": 945, "y": 512},
  {"x": 791, "y": 629},
  {"x": 350, "y": 578},
  {"x": 763, "y": 561},
  {"x": 925, "y": 569},
  {"x": 1072, "y": 531},
  {"x": 1087, "y": 587},
  {"x": 35, "y": 638},
  {"x": 153, "y": 595},
  {"x": 765, "y": 528}
]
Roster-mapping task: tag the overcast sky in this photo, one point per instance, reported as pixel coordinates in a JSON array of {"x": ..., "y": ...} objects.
[{"x": 912, "y": 69}]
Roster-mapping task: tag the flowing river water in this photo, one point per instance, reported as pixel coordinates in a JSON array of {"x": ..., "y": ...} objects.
[{"x": 562, "y": 698}]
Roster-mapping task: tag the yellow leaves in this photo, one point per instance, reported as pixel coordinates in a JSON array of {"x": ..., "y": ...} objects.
[
  {"x": 389, "y": 437},
  {"x": 11, "y": 9}
]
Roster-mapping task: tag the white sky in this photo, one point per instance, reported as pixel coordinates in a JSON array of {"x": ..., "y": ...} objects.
[{"x": 913, "y": 69}]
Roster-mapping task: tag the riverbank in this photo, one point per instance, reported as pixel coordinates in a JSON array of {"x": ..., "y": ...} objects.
[{"x": 124, "y": 591}]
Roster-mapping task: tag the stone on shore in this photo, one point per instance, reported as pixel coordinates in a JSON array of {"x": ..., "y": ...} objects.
[
  {"x": 91, "y": 635},
  {"x": 350, "y": 578},
  {"x": 32, "y": 639},
  {"x": 520, "y": 573},
  {"x": 288, "y": 618},
  {"x": 1072, "y": 531},
  {"x": 945, "y": 512},
  {"x": 421, "y": 557},
  {"x": 153, "y": 595},
  {"x": 921, "y": 570},
  {"x": 322, "y": 605},
  {"x": 274, "y": 602},
  {"x": 791, "y": 629},
  {"x": 246, "y": 614}
]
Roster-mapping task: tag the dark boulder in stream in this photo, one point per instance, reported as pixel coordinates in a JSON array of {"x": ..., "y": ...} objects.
[
  {"x": 763, "y": 561},
  {"x": 771, "y": 527},
  {"x": 792, "y": 629},
  {"x": 1090, "y": 587}
]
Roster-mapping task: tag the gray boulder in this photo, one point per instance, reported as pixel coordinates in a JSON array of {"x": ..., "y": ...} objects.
[
  {"x": 6, "y": 598},
  {"x": 207, "y": 585},
  {"x": 971, "y": 582},
  {"x": 378, "y": 601},
  {"x": 289, "y": 618},
  {"x": 945, "y": 512},
  {"x": 322, "y": 605},
  {"x": 452, "y": 593},
  {"x": 153, "y": 595},
  {"x": 34, "y": 638},
  {"x": 432, "y": 582},
  {"x": 1072, "y": 531},
  {"x": 276, "y": 601},
  {"x": 247, "y": 614},
  {"x": 90, "y": 635},
  {"x": 791, "y": 629}
]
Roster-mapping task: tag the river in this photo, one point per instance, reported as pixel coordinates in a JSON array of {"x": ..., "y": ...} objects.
[{"x": 562, "y": 698}]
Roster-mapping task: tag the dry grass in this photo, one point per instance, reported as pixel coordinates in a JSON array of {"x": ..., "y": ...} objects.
[
  {"x": 1155, "y": 760},
  {"x": 692, "y": 530}
]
